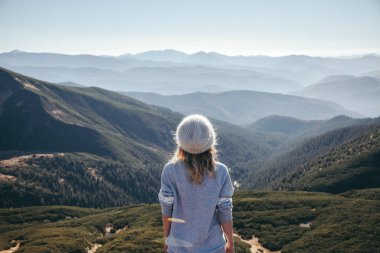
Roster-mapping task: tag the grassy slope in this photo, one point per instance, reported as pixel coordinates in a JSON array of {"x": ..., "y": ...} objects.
[
  {"x": 40, "y": 117},
  {"x": 100, "y": 124},
  {"x": 274, "y": 217},
  {"x": 341, "y": 153},
  {"x": 353, "y": 165},
  {"x": 337, "y": 224},
  {"x": 106, "y": 123},
  {"x": 121, "y": 127}
]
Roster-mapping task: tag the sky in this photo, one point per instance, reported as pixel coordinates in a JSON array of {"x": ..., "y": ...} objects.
[{"x": 231, "y": 27}]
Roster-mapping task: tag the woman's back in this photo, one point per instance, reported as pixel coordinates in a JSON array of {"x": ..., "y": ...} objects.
[
  {"x": 197, "y": 209},
  {"x": 196, "y": 193}
]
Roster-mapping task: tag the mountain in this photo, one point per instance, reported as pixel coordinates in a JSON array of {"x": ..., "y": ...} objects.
[
  {"x": 17, "y": 58},
  {"x": 20, "y": 58},
  {"x": 168, "y": 55},
  {"x": 359, "y": 94},
  {"x": 166, "y": 79},
  {"x": 72, "y": 84},
  {"x": 297, "y": 128},
  {"x": 352, "y": 165},
  {"x": 180, "y": 80},
  {"x": 244, "y": 107},
  {"x": 347, "y": 156},
  {"x": 375, "y": 74},
  {"x": 93, "y": 147},
  {"x": 41, "y": 116},
  {"x": 78, "y": 146},
  {"x": 305, "y": 69}
]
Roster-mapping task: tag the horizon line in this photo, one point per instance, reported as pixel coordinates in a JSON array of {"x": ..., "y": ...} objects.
[{"x": 352, "y": 55}]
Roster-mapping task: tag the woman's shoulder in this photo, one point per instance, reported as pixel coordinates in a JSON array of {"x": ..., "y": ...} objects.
[
  {"x": 221, "y": 168},
  {"x": 171, "y": 166}
]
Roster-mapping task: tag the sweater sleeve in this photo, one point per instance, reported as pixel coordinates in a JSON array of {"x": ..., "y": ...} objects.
[
  {"x": 166, "y": 195},
  {"x": 224, "y": 204}
]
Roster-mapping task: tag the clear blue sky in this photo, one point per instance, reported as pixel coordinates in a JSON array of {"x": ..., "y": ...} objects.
[{"x": 250, "y": 27}]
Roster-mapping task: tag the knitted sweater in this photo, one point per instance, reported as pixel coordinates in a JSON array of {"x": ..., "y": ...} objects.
[{"x": 197, "y": 210}]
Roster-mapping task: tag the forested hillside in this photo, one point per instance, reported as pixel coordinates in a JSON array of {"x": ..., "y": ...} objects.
[
  {"x": 96, "y": 148},
  {"x": 353, "y": 165},
  {"x": 75, "y": 179},
  {"x": 343, "y": 154}
]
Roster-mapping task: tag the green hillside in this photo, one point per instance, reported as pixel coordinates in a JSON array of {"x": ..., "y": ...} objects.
[
  {"x": 340, "y": 160},
  {"x": 287, "y": 221},
  {"x": 113, "y": 147},
  {"x": 41, "y": 116},
  {"x": 77, "y": 179},
  {"x": 308, "y": 222},
  {"x": 353, "y": 165},
  {"x": 62, "y": 147}
]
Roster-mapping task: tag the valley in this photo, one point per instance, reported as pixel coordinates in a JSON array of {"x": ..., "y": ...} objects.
[
  {"x": 80, "y": 169},
  {"x": 272, "y": 109}
]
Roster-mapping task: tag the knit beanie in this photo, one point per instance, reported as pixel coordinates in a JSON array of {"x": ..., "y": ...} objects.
[{"x": 195, "y": 134}]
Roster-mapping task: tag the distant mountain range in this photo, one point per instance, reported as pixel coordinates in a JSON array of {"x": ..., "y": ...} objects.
[
  {"x": 359, "y": 94},
  {"x": 166, "y": 79},
  {"x": 306, "y": 68},
  {"x": 172, "y": 72},
  {"x": 244, "y": 107}
]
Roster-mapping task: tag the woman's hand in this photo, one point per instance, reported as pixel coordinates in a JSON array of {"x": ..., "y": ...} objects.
[
  {"x": 166, "y": 225},
  {"x": 229, "y": 248},
  {"x": 165, "y": 248}
]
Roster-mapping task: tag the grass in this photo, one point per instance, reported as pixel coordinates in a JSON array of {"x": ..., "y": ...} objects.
[{"x": 339, "y": 223}]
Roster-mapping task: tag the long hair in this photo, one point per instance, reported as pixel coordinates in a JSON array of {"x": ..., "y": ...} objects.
[{"x": 198, "y": 164}]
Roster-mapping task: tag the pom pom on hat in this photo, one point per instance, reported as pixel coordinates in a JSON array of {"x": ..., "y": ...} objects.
[{"x": 195, "y": 134}]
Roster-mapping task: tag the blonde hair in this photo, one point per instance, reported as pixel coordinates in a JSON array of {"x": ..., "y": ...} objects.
[{"x": 197, "y": 164}]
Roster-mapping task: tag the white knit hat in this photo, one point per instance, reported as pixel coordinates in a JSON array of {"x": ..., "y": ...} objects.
[{"x": 195, "y": 134}]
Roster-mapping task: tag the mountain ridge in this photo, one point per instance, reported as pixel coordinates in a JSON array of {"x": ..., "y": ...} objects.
[
  {"x": 102, "y": 135},
  {"x": 358, "y": 93},
  {"x": 301, "y": 70},
  {"x": 243, "y": 107},
  {"x": 282, "y": 170}
]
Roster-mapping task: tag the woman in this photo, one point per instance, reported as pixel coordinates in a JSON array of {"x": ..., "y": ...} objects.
[{"x": 196, "y": 193}]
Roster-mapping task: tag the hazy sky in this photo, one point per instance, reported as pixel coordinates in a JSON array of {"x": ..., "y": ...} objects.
[{"x": 271, "y": 27}]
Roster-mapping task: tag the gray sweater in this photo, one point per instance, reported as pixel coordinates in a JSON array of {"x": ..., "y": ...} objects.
[{"x": 197, "y": 210}]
